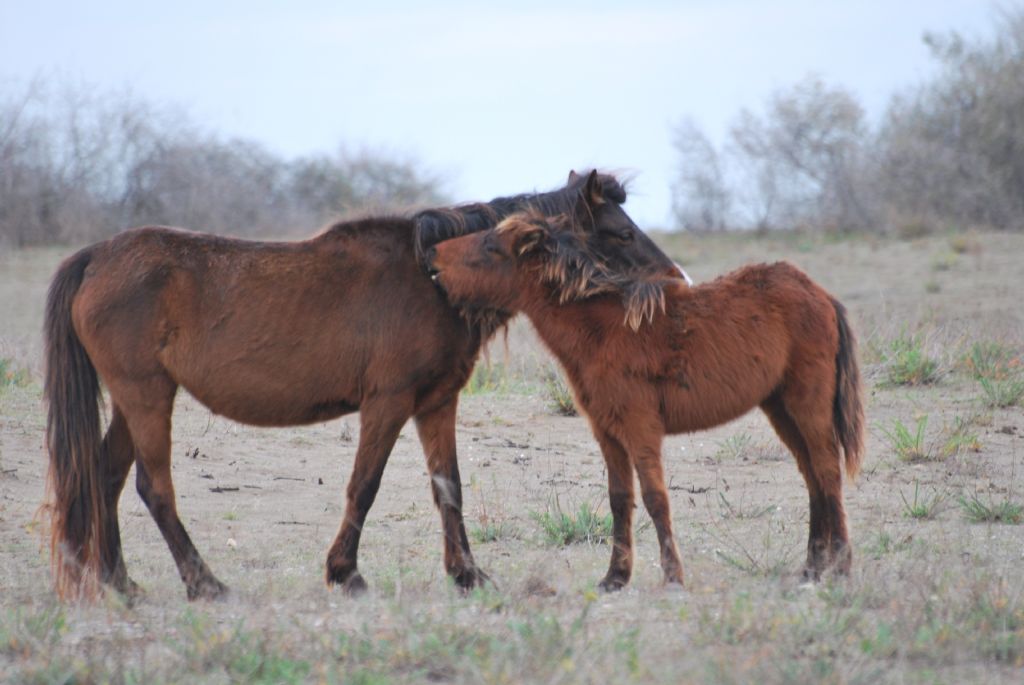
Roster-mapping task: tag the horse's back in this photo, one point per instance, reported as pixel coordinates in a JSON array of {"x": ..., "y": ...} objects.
[{"x": 267, "y": 333}]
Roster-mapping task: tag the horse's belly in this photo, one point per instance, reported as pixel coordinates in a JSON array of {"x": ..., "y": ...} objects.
[{"x": 264, "y": 407}]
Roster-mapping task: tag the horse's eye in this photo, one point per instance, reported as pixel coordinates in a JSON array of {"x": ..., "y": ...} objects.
[{"x": 624, "y": 237}]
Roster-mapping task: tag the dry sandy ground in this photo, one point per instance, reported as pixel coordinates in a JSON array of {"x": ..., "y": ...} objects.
[{"x": 936, "y": 600}]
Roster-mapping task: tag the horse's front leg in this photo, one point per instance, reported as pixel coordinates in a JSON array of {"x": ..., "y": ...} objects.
[
  {"x": 620, "y": 499},
  {"x": 381, "y": 420},
  {"x": 437, "y": 434}
]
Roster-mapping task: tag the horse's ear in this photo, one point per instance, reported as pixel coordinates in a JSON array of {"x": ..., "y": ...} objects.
[
  {"x": 593, "y": 190},
  {"x": 591, "y": 196},
  {"x": 573, "y": 177}
]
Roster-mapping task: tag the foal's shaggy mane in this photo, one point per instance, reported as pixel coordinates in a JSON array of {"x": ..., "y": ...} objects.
[
  {"x": 574, "y": 272},
  {"x": 432, "y": 226}
]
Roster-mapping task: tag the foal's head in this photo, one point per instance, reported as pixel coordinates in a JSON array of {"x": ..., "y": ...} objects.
[{"x": 567, "y": 258}]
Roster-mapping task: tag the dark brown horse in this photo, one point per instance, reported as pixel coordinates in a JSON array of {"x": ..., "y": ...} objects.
[
  {"x": 271, "y": 334},
  {"x": 646, "y": 357}
]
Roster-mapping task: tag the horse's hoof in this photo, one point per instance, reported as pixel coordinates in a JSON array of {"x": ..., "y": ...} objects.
[
  {"x": 612, "y": 583},
  {"x": 209, "y": 589},
  {"x": 130, "y": 592}
]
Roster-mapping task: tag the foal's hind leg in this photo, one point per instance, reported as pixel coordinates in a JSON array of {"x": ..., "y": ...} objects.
[
  {"x": 149, "y": 420},
  {"x": 118, "y": 455},
  {"x": 620, "y": 499},
  {"x": 380, "y": 422},
  {"x": 817, "y": 456},
  {"x": 437, "y": 434}
]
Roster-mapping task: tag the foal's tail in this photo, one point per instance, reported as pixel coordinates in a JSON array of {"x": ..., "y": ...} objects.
[
  {"x": 74, "y": 441},
  {"x": 848, "y": 408}
]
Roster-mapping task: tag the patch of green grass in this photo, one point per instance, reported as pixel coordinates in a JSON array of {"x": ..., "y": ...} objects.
[
  {"x": 884, "y": 544},
  {"x": 562, "y": 529},
  {"x": 500, "y": 378},
  {"x": 960, "y": 437},
  {"x": 907, "y": 363},
  {"x": 739, "y": 511},
  {"x": 12, "y": 375},
  {"x": 944, "y": 261},
  {"x": 770, "y": 558},
  {"x": 922, "y": 507},
  {"x": 964, "y": 243},
  {"x": 24, "y": 631},
  {"x": 906, "y": 444},
  {"x": 734, "y": 448},
  {"x": 978, "y": 511},
  {"x": 240, "y": 654},
  {"x": 559, "y": 395},
  {"x": 487, "y": 378},
  {"x": 491, "y": 531},
  {"x": 993, "y": 360},
  {"x": 999, "y": 394}
]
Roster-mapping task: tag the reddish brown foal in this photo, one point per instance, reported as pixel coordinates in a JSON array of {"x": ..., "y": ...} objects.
[{"x": 647, "y": 356}]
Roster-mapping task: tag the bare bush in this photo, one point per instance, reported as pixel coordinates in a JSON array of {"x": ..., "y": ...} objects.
[
  {"x": 800, "y": 163},
  {"x": 701, "y": 199},
  {"x": 953, "y": 150},
  {"x": 78, "y": 165},
  {"x": 948, "y": 153}
]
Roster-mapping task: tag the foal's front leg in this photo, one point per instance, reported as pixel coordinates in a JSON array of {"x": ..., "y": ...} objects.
[
  {"x": 646, "y": 455},
  {"x": 620, "y": 499}
]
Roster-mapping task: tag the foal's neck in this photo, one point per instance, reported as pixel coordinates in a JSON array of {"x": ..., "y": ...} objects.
[{"x": 572, "y": 330}]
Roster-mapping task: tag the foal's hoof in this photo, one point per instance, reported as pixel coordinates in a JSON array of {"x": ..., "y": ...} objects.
[
  {"x": 470, "y": 578},
  {"x": 209, "y": 589},
  {"x": 354, "y": 585},
  {"x": 810, "y": 576},
  {"x": 612, "y": 583}
]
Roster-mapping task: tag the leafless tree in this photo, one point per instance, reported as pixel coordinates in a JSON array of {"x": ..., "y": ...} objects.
[
  {"x": 805, "y": 159},
  {"x": 700, "y": 198}
]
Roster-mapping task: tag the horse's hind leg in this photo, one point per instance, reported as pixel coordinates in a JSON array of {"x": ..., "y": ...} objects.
[
  {"x": 812, "y": 442},
  {"x": 149, "y": 420},
  {"x": 437, "y": 434},
  {"x": 380, "y": 422},
  {"x": 118, "y": 455}
]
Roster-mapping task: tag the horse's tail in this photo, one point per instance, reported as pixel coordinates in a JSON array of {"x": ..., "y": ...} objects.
[
  {"x": 74, "y": 441},
  {"x": 848, "y": 407}
]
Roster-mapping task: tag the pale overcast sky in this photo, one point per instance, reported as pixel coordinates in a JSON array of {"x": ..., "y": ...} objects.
[{"x": 499, "y": 97}]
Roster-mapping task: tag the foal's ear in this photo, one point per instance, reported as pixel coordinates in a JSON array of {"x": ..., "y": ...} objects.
[{"x": 529, "y": 236}]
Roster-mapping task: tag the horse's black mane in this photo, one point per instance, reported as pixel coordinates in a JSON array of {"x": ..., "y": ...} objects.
[{"x": 432, "y": 226}]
